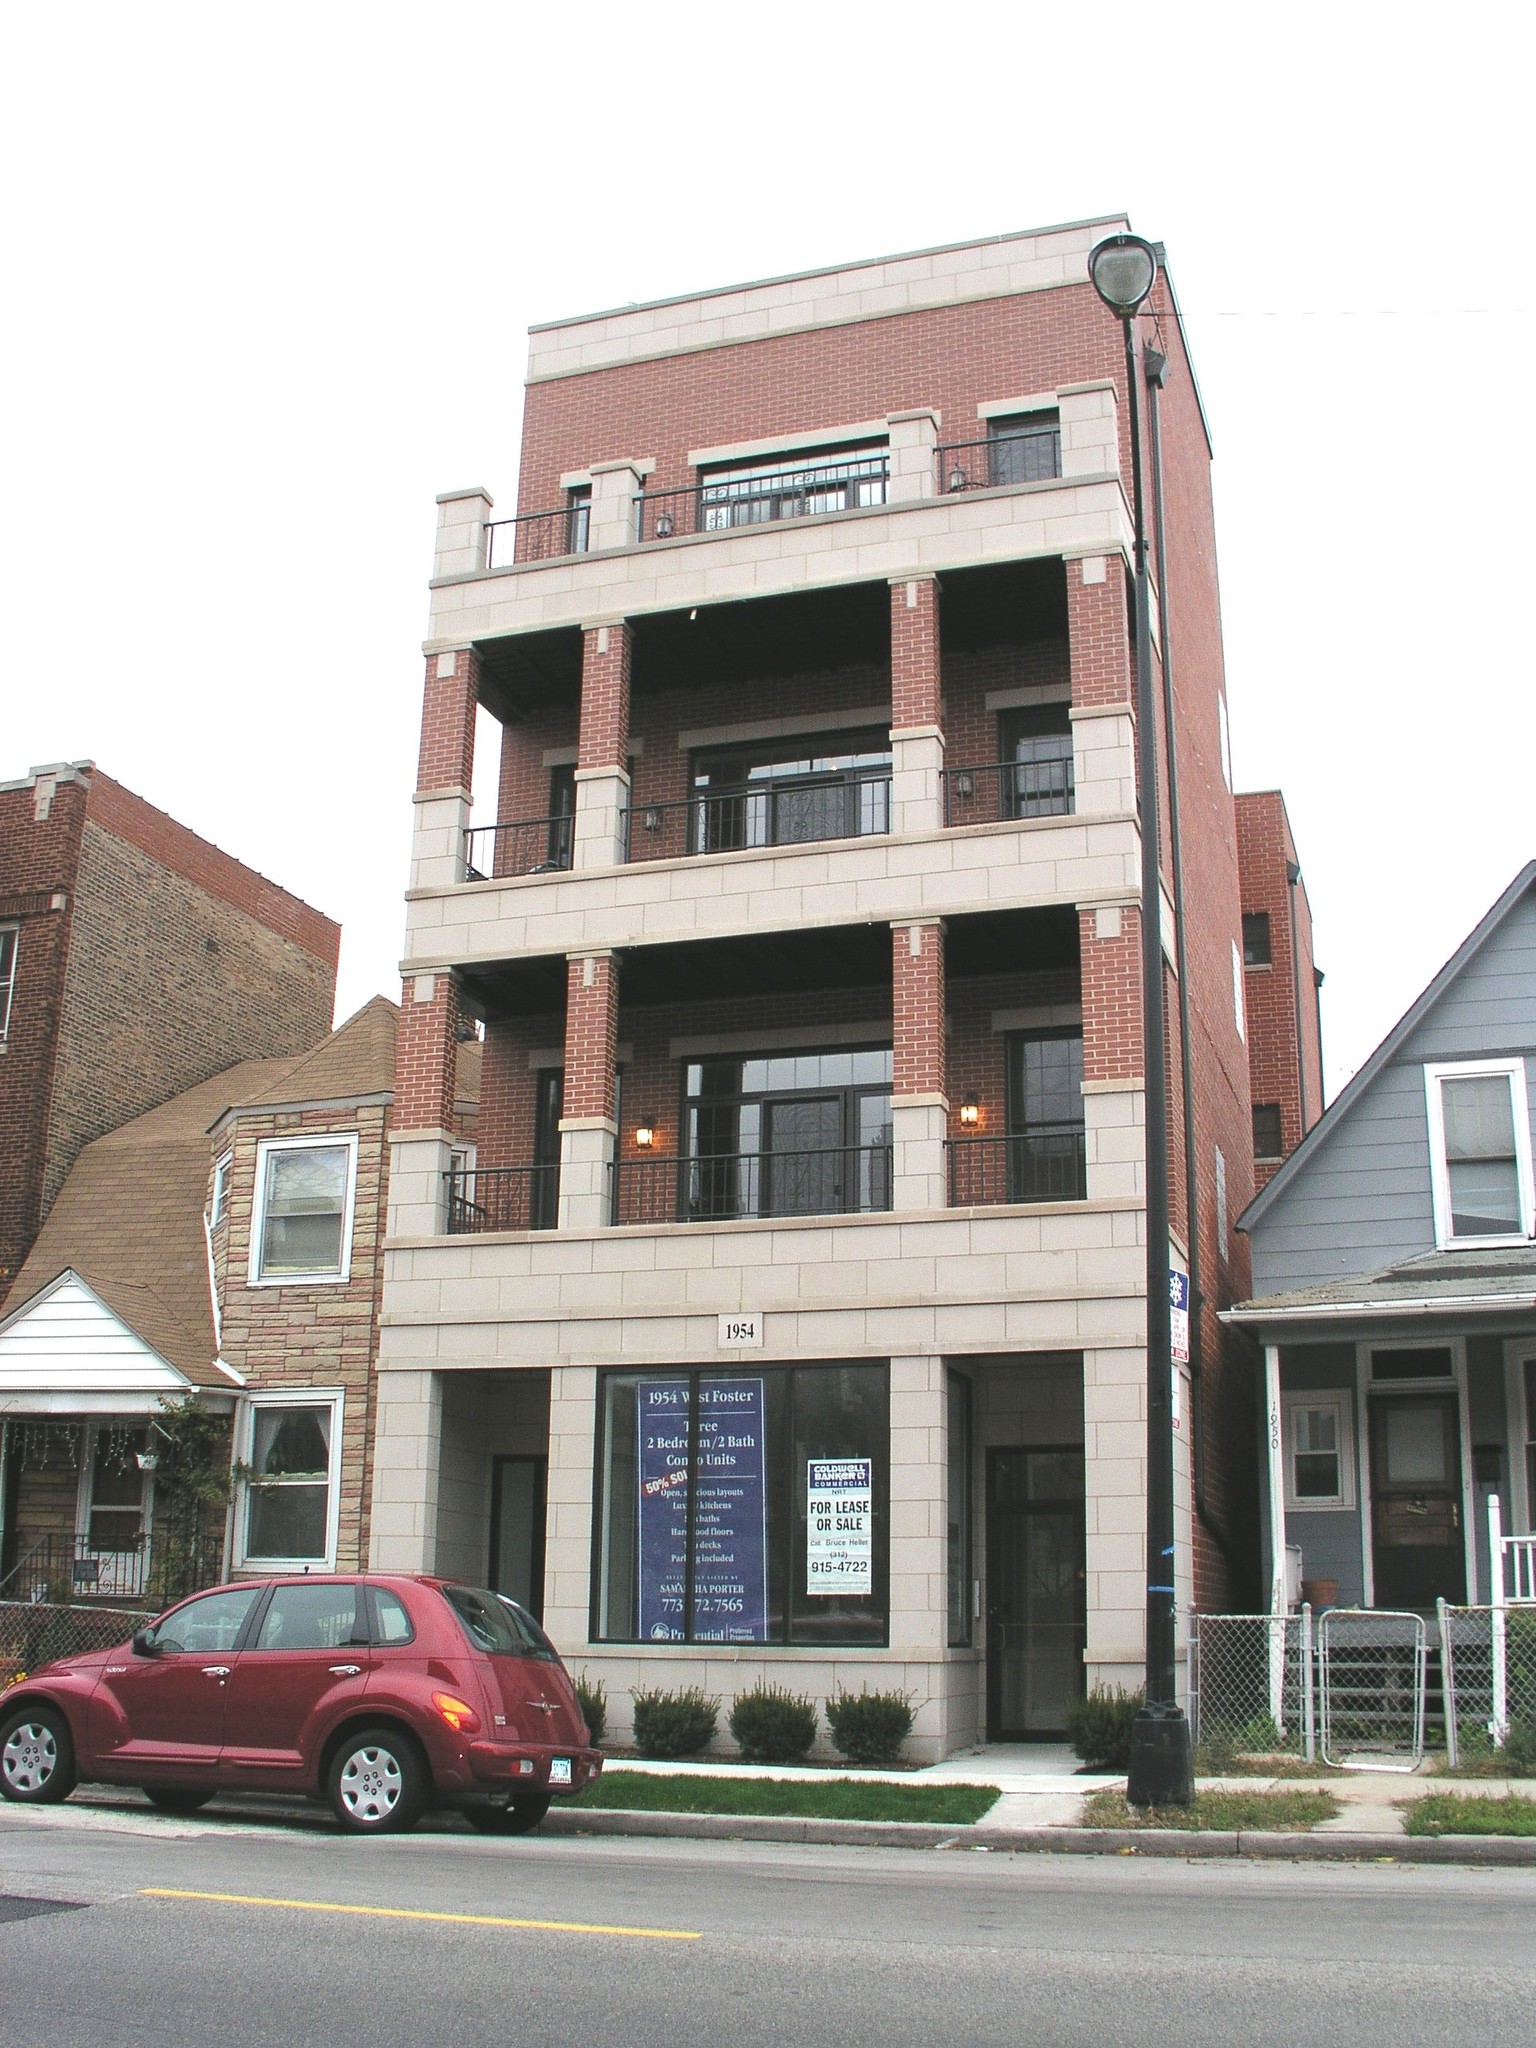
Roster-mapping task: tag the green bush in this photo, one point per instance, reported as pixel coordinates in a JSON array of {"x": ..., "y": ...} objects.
[
  {"x": 1099, "y": 1727},
  {"x": 773, "y": 1726},
  {"x": 1520, "y": 1749},
  {"x": 670, "y": 1724},
  {"x": 870, "y": 1727},
  {"x": 592, "y": 1698}
]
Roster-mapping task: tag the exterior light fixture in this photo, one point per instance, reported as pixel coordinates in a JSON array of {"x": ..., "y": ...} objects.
[
  {"x": 970, "y": 1112},
  {"x": 1123, "y": 269},
  {"x": 663, "y": 525},
  {"x": 653, "y": 818},
  {"x": 645, "y": 1136},
  {"x": 957, "y": 478},
  {"x": 147, "y": 1461},
  {"x": 964, "y": 785}
]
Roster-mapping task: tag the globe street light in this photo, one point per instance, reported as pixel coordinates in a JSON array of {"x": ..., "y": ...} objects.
[{"x": 1123, "y": 269}]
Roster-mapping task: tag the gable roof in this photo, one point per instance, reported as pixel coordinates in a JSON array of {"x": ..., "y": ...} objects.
[
  {"x": 68, "y": 1340},
  {"x": 356, "y": 1059},
  {"x": 1344, "y": 1102}
]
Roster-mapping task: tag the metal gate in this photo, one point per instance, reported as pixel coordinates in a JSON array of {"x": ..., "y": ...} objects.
[{"x": 1371, "y": 1667}]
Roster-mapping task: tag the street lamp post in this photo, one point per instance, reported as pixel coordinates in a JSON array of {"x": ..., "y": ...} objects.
[{"x": 1124, "y": 269}]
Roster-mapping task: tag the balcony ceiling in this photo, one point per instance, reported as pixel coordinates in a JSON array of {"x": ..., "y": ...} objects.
[
  {"x": 1002, "y": 607},
  {"x": 822, "y": 957}
]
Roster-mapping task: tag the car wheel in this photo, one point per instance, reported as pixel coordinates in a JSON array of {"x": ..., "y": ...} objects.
[
  {"x": 37, "y": 1758},
  {"x": 177, "y": 1798},
  {"x": 520, "y": 1818},
  {"x": 377, "y": 1783}
]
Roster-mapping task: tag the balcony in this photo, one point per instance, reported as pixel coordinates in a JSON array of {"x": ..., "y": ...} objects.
[
  {"x": 1004, "y": 791},
  {"x": 526, "y": 846},
  {"x": 488, "y": 1198},
  {"x": 786, "y": 811},
  {"x": 538, "y": 536},
  {"x": 68, "y": 1570},
  {"x": 849, "y": 482},
  {"x": 1047, "y": 1163},
  {"x": 731, "y": 1187}
]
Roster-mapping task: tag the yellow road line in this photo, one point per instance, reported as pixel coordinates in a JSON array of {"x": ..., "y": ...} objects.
[{"x": 407, "y": 1913}]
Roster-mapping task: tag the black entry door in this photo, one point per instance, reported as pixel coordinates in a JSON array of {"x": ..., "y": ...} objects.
[
  {"x": 1037, "y": 1614},
  {"x": 517, "y": 1531},
  {"x": 1416, "y": 1500},
  {"x": 803, "y": 1161}
]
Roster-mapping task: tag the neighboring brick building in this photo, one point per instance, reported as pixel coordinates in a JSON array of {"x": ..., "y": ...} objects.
[
  {"x": 804, "y": 1251},
  {"x": 135, "y": 961},
  {"x": 1283, "y": 983},
  {"x": 225, "y": 1245}
]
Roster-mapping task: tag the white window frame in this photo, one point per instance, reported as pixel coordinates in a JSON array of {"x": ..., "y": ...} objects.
[
  {"x": 334, "y": 1400},
  {"x": 264, "y": 1150},
  {"x": 218, "y": 1203},
  {"x": 1239, "y": 1002},
  {"x": 1338, "y": 1399},
  {"x": 1513, "y": 1070},
  {"x": 8, "y": 983}
]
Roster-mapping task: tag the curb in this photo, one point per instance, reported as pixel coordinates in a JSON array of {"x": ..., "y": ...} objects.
[{"x": 1508, "y": 1851}]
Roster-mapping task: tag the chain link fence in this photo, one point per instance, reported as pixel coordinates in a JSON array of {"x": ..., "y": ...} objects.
[
  {"x": 1252, "y": 1689},
  {"x": 34, "y": 1632},
  {"x": 1488, "y": 1667}
]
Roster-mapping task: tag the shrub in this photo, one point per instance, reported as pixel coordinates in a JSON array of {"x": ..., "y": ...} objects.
[
  {"x": 1099, "y": 1727},
  {"x": 592, "y": 1698},
  {"x": 1520, "y": 1749},
  {"x": 773, "y": 1725},
  {"x": 669, "y": 1724},
  {"x": 870, "y": 1727}
]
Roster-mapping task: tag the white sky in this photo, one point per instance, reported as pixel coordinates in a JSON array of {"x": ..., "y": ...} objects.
[{"x": 269, "y": 273}]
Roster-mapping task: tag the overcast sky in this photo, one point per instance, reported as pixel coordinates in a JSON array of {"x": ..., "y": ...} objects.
[{"x": 269, "y": 274}]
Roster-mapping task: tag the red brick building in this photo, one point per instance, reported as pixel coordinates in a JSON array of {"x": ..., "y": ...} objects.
[
  {"x": 136, "y": 960},
  {"x": 791, "y": 1325},
  {"x": 1282, "y": 982}
]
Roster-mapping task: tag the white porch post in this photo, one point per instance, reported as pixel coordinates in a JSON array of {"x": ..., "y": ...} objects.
[
  {"x": 1499, "y": 1726},
  {"x": 1277, "y": 1599}
]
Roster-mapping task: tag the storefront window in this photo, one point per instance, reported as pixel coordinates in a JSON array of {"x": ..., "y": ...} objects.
[
  {"x": 743, "y": 1507},
  {"x": 958, "y": 1513}
]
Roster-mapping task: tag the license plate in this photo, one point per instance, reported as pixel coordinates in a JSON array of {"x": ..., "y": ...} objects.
[{"x": 560, "y": 1770}]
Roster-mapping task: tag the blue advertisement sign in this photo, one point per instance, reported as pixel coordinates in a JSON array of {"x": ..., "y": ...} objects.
[{"x": 730, "y": 1564}]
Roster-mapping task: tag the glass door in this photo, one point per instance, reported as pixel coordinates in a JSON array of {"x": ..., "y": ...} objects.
[
  {"x": 1418, "y": 1551},
  {"x": 517, "y": 1531},
  {"x": 1037, "y": 1616},
  {"x": 111, "y": 1554}
]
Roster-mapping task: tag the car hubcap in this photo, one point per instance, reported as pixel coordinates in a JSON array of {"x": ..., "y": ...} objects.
[
  {"x": 371, "y": 1785},
  {"x": 30, "y": 1758}
]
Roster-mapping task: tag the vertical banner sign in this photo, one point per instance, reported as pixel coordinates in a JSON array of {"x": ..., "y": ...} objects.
[
  {"x": 730, "y": 1562},
  {"x": 839, "y": 1525},
  {"x": 662, "y": 1478},
  {"x": 730, "y": 1533},
  {"x": 1178, "y": 1314}
]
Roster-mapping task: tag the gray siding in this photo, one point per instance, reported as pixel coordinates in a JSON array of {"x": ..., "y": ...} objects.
[{"x": 1363, "y": 1200}]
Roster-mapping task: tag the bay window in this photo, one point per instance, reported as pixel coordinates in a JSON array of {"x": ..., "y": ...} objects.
[{"x": 290, "y": 1471}]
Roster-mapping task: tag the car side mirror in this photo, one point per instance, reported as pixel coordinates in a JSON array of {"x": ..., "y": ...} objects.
[{"x": 144, "y": 1644}]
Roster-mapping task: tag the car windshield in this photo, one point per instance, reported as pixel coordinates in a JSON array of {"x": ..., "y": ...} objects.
[{"x": 495, "y": 1623}]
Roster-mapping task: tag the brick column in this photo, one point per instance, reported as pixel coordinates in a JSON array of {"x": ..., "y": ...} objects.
[
  {"x": 1114, "y": 1099},
  {"x": 917, "y": 725},
  {"x": 602, "y": 750},
  {"x": 421, "y": 1122},
  {"x": 588, "y": 1130},
  {"x": 919, "y": 1096},
  {"x": 445, "y": 769}
]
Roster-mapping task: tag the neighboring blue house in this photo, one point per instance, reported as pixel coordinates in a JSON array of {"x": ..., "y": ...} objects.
[{"x": 1394, "y": 1279}]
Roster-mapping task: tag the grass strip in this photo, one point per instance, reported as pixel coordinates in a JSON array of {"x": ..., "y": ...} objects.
[
  {"x": 1472, "y": 1813},
  {"x": 1251, "y": 1812},
  {"x": 817, "y": 1799}
]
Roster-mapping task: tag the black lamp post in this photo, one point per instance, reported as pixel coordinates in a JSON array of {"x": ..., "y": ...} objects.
[{"x": 1124, "y": 269}]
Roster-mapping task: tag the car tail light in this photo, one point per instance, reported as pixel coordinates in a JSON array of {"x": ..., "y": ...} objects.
[{"x": 459, "y": 1714}]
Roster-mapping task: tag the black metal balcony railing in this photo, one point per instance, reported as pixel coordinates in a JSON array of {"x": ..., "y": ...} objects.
[
  {"x": 737, "y": 1186},
  {"x": 1046, "y": 1164},
  {"x": 529, "y": 846},
  {"x": 1000, "y": 461},
  {"x": 537, "y": 536},
  {"x": 483, "y": 1198},
  {"x": 747, "y": 815},
  {"x": 845, "y": 485},
  {"x": 1008, "y": 789},
  {"x": 165, "y": 1566}
]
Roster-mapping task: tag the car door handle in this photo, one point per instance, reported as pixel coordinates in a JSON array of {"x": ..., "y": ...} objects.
[
  {"x": 345, "y": 1670},
  {"x": 215, "y": 1671}
]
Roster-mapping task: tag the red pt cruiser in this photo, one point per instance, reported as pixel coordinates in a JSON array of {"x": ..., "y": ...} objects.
[{"x": 383, "y": 1695}]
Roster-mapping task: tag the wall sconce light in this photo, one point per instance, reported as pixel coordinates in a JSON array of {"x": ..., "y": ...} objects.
[
  {"x": 970, "y": 1112},
  {"x": 645, "y": 1136},
  {"x": 957, "y": 478},
  {"x": 964, "y": 785},
  {"x": 663, "y": 525},
  {"x": 653, "y": 819}
]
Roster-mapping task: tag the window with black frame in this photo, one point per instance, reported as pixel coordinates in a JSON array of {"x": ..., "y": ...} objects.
[
  {"x": 793, "y": 486},
  {"x": 787, "y": 1134},
  {"x": 562, "y": 816},
  {"x": 1036, "y": 742},
  {"x": 1025, "y": 447},
  {"x": 544, "y": 1191},
  {"x": 578, "y": 520},
  {"x": 792, "y": 792},
  {"x": 748, "y": 1506},
  {"x": 1046, "y": 1152}
]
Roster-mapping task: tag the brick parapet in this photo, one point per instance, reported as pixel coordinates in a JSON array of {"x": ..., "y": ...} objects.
[
  {"x": 446, "y": 759},
  {"x": 426, "y": 1053},
  {"x": 603, "y": 738}
]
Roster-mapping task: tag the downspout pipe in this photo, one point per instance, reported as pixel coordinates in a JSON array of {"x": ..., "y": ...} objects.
[
  {"x": 1292, "y": 883},
  {"x": 1157, "y": 377}
]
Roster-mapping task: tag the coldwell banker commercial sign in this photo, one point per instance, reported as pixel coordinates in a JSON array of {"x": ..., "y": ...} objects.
[
  {"x": 730, "y": 1546},
  {"x": 839, "y": 1525}
]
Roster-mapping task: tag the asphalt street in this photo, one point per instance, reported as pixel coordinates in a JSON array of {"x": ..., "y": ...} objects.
[{"x": 118, "y": 1926}]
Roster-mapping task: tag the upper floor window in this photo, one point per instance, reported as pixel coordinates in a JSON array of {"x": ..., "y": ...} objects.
[
  {"x": 1037, "y": 751},
  {"x": 302, "y": 1228},
  {"x": 787, "y": 1134},
  {"x": 8, "y": 948},
  {"x": 1256, "y": 941},
  {"x": 752, "y": 493},
  {"x": 1268, "y": 1143},
  {"x": 1046, "y": 1150},
  {"x": 578, "y": 520},
  {"x": 218, "y": 1207},
  {"x": 1025, "y": 447},
  {"x": 792, "y": 792},
  {"x": 1480, "y": 1151}
]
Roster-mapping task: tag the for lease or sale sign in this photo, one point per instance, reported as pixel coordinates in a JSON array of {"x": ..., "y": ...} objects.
[{"x": 839, "y": 1525}]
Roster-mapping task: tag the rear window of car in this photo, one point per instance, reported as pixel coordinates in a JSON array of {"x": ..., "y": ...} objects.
[{"x": 494, "y": 1623}]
